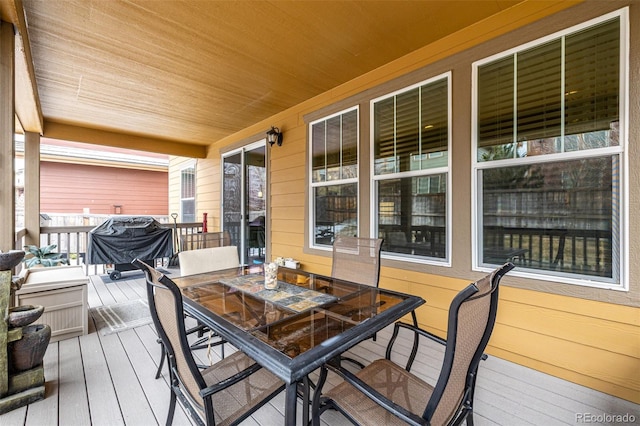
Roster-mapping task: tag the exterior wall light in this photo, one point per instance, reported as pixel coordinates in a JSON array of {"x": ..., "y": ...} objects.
[{"x": 274, "y": 135}]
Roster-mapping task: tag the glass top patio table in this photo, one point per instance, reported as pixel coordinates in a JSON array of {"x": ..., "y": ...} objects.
[{"x": 309, "y": 320}]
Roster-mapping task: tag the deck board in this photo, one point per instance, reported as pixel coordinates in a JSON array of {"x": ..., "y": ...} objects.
[
  {"x": 15, "y": 417},
  {"x": 142, "y": 341},
  {"x": 105, "y": 408},
  {"x": 144, "y": 370},
  {"x": 73, "y": 399},
  {"x": 127, "y": 289},
  {"x": 93, "y": 297},
  {"x": 110, "y": 380},
  {"x": 100, "y": 288},
  {"x": 45, "y": 412},
  {"x": 133, "y": 402}
]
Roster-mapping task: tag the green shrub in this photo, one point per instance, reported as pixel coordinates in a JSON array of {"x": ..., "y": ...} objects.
[{"x": 44, "y": 256}]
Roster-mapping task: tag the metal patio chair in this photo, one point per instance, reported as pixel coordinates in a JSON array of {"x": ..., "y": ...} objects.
[
  {"x": 198, "y": 261},
  {"x": 358, "y": 260},
  {"x": 208, "y": 259},
  {"x": 225, "y": 393},
  {"x": 386, "y": 393}
]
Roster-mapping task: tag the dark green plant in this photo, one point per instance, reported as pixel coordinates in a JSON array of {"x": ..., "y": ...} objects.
[{"x": 44, "y": 256}]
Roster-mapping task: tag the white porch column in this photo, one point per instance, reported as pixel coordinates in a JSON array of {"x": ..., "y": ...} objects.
[
  {"x": 32, "y": 187},
  {"x": 7, "y": 129}
]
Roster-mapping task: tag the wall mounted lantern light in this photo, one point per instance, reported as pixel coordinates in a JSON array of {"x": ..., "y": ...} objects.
[{"x": 274, "y": 135}]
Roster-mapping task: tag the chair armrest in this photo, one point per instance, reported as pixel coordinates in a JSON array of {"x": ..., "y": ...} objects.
[
  {"x": 223, "y": 384},
  {"x": 417, "y": 332},
  {"x": 421, "y": 332},
  {"x": 378, "y": 398}
]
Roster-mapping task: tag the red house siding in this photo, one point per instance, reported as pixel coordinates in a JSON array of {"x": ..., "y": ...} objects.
[{"x": 70, "y": 188}]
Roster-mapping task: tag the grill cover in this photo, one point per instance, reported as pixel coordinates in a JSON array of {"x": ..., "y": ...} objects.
[{"x": 122, "y": 239}]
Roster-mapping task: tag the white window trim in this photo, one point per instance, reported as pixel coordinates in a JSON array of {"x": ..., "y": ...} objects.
[
  {"x": 191, "y": 164},
  {"x": 312, "y": 185},
  {"x": 621, "y": 150},
  {"x": 446, "y": 262}
]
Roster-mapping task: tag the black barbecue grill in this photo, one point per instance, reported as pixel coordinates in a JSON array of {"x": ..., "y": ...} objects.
[{"x": 122, "y": 239}]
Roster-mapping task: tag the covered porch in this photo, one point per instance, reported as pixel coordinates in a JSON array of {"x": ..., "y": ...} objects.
[{"x": 584, "y": 338}]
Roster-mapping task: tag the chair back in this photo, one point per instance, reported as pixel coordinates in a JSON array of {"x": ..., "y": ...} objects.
[
  {"x": 208, "y": 259},
  {"x": 357, "y": 259},
  {"x": 472, "y": 315},
  {"x": 165, "y": 304}
]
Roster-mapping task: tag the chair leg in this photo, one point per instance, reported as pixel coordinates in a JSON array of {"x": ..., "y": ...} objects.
[
  {"x": 316, "y": 409},
  {"x": 466, "y": 416},
  {"x": 162, "y": 357},
  {"x": 469, "y": 419},
  {"x": 172, "y": 407}
]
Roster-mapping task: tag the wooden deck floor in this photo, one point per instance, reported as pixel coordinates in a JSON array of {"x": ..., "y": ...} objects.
[{"x": 109, "y": 380}]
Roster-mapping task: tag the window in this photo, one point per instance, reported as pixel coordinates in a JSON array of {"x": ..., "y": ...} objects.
[
  {"x": 188, "y": 194},
  {"x": 334, "y": 177},
  {"x": 411, "y": 136},
  {"x": 549, "y": 149}
]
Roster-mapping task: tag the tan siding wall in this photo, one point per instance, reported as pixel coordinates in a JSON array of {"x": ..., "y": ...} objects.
[
  {"x": 208, "y": 178},
  {"x": 69, "y": 188},
  {"x": 208, "y": 188},
  {"x": 589, "y": 342},
  {"x": 176, "y": 164},
  {"x": 287, "y": 200}
]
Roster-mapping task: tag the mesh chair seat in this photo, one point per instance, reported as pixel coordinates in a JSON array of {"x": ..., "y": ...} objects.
[
  {"x": 390, "y": 380},
  {"x": 232, "y": 403}
]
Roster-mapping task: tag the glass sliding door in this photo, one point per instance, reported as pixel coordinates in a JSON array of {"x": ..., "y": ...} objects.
[
  {"x": 255, "y": 205},
  {"x": 244, "y": 201}
]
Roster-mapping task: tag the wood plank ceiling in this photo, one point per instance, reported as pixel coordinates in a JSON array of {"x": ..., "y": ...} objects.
[{"x": 194, "y": 71}]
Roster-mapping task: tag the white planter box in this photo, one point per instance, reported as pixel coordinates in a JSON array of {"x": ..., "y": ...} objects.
[{"x": 62, "y": 290}]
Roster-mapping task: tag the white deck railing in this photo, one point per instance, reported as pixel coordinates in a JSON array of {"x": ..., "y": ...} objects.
[{"x": 72, "y": 241}]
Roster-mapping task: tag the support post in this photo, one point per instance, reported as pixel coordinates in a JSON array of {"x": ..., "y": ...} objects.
[
  {"x": 7, "y": 130},
  {"x": 32, "y": 188},
  {"x": 5, "y": 290}
]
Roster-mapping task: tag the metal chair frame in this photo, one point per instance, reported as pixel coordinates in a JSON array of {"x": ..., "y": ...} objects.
[
  {"x": 441, "y": 394},
  {"x": 357, "y": 259},
  {"x": 177, "y": 357}
]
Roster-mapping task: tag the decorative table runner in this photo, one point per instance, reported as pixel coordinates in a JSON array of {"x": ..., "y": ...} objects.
[{"x": 285, "y": 295}]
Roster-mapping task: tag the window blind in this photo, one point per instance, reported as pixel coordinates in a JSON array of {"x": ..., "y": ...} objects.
[
  {"x": 592, "y": 64},
  {"x": 411, "y": 123},
  {"x": 568, "y": 86},
  {"x": 188, "y": 187},
  {"x": 334, "y": 147}
]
